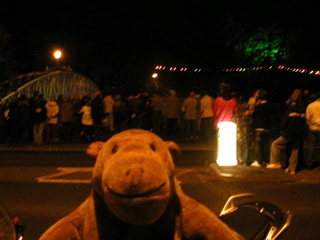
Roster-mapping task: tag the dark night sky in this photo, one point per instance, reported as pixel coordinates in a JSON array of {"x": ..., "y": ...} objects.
[
  {"x": 130, "y": 29},
  {"x": 95, "y": 34}
]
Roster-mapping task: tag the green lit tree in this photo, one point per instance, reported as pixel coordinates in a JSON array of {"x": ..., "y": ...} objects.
[
  {"x": 266, "y": 46},
  {"x": 259, "y": 43}
]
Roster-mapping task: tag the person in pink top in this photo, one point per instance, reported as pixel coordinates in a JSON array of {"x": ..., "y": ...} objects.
[{"x": 224, "y": 107}]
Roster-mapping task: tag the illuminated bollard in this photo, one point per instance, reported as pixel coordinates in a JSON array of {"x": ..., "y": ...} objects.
[{"x": 227, "y": 144}]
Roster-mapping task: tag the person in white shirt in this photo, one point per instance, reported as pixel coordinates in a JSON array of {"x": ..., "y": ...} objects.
[
  {"x": 191, "y": 107},
  {"x": 87, "y": 121},
  {"x": 313, "y": 121}
]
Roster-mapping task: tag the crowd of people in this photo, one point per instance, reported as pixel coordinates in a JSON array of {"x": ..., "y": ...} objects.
[
  {"x": 36, "y": 120},
  {"x": 299, "y": 123}
]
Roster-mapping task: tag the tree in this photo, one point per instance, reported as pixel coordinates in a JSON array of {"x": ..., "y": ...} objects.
[
  {"x": 259, "y": 40},
  {"x": 266, "y": 46},
  {"x": 7, "y": 58}
]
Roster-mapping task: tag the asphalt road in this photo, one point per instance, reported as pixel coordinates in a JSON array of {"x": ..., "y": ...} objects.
[{"x": 42, "y": 187}]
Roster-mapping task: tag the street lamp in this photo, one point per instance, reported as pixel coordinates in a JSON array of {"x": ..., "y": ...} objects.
[
  {"x": 57, "y": 55},
  {"x": 155, "y": 80}
]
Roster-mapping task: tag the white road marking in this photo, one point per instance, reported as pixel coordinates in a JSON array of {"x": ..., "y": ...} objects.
[
  {"x": 183, "y": 171},
  {"x": 53, "y": 178}
]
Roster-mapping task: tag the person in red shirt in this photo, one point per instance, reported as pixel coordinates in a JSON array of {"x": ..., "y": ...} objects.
[{"x": 224, "y": 107}]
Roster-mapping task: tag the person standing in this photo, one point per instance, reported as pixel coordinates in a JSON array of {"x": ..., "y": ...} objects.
[
  {"x": 108, "y": 107},
  {"x": 52, "y": 119},
  {"x": 39, "y": 117},
  {"x": 136, "y": 108},
  {"x": 119, "y": 113},
  {"x": 293, "y": 125},
  {"x": 25, "y": 119},
  {"x": 225, "y": 106},
  {"x": 66, "y": 119},
  {"x": 192, "y": 109},
  {"x": 313, "y": 121},
  {"x": 97, "y": 113},
  {"x": 172, "y": 111},
  {"x": 250, "y": 135},
  {"x": 253, "y": 101},
  {"x": 157, "y": 107},
  {"x": 77, "y": 106},
  {"x": 14, "y": 121},
  {"x": 87, "y": 121},
  {"x": 262, "y": 123},
  {"x": 146, "y": 115},
  {"x": 207, "y": 116},
  {"x": 244, "y": 134}
]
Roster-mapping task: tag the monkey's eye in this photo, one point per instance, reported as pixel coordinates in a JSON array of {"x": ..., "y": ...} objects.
[
  {"x": 153, "y": 147},
  {"x": 115, "y": 149}
]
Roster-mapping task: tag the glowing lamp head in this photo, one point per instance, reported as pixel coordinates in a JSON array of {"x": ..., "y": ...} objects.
[
  {"x": 57, "y": 54},
  {"x": 227, "y": 144},
  {"x": 154, "y": 75}
]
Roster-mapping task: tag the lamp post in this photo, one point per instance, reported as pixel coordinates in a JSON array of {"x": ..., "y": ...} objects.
[
  {"x": 155, "y": 81},
  {"x": 57, "y": 55}
]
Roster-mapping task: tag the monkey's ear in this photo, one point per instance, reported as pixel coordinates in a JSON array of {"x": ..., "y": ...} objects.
[
  {"x": 174, "y": 149},
  {"x": 94, "y": 148}
]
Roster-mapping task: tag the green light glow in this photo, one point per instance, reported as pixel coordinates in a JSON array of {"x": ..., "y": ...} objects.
[{"x": 264, "y": 46}]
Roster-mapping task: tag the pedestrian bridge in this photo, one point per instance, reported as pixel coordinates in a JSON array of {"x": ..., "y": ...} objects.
[{"x": 51, "y": 82}]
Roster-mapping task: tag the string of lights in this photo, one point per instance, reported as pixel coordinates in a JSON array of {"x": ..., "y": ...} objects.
[
  {"x": 243, "y": 69},
  {"x": 181, "y": 69},
  {"x": 280, "y": 67}
]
